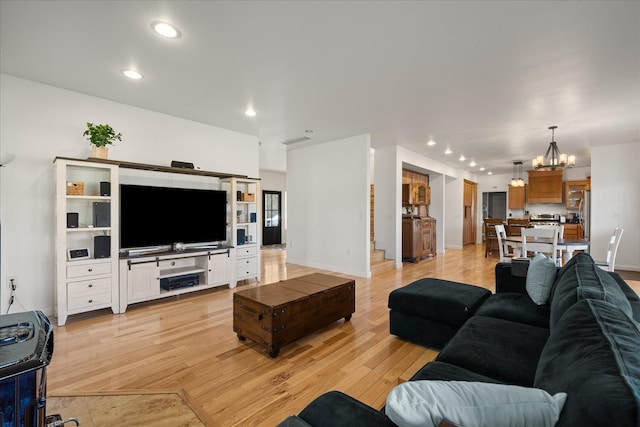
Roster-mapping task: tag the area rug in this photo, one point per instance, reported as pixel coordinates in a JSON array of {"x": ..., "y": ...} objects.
[{"x": 159, "y": 409}]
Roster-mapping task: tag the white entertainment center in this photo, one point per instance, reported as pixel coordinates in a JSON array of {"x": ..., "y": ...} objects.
[{"x": 113, "y": 278}]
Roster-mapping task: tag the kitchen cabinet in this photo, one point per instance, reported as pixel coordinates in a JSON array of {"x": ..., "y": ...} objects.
[
  {"x": 545, "y": 186},
  {"x": 574, "y": 193},
  {"x": 517, "y": 197},
  {"x": 573, "y": 231},
  {"x": 415, "y": 188},
  {"x": 411, "y": 239},
  {"x": 428, "y": 237},
  {"x": 418, "y": 238}
]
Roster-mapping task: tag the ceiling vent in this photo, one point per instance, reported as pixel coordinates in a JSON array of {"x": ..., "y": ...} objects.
[{"x": 296, "y": 140}]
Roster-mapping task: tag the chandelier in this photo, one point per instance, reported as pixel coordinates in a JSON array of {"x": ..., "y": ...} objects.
[
  {"x": 517, "y": 180},
  {"x": 553, "y": 159}
]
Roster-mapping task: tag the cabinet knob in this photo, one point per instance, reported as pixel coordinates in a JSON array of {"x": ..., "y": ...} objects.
[
  {"x": 90, "y": 300},
  {"x": 90, "y": 270},
  {"x": 91, "y": 285}
]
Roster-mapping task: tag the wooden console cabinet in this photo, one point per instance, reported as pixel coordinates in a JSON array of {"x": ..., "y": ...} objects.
[{"x": 418, "y": 238}]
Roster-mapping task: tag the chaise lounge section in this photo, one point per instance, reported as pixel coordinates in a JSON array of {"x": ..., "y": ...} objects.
[{"x": 584, "y": 341}]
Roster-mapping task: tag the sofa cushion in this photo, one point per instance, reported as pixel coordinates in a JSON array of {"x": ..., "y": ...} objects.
[
  {"x": 496, "y": 348},
  {"x": 517, "y": 308},
  {"x": 593, "y": 354},
  {"x": 469, "y": 404},
  {"x": 336, "y": 409},
  {"x": 540, "y": 278},
  {"x": 580, "y": 281},
  {"x": 437, "y": 370},
  {"x": 447, "y": 302}
]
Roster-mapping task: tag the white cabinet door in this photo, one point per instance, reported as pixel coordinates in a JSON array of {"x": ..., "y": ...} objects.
[
  {"x": 218, "y": 269},
  {"x": 143, "y": 282}
]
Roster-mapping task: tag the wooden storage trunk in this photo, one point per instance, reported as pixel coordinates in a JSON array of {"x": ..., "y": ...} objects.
[{"x": 278, "y": 314}]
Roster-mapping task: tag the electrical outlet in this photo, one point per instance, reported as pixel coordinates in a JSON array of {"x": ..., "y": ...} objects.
[{"x": 12, "y": 282}]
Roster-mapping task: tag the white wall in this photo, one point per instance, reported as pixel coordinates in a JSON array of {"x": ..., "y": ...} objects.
[
  {"x": 328, "y": 205},
  {"x": 615, "y": 202},
  {"x": 277, "y": 181},
  {"x": 388, "y": 202},
  {"x": 38, "y": 123}
]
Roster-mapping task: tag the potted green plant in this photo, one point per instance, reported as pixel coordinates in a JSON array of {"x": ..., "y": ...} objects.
[{"x": 99, "y": 137}]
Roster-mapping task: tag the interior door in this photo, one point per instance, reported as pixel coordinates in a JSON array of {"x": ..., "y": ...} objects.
[
  {"x": 469, "y": 212},
  {"x": 272, "y": 218}
]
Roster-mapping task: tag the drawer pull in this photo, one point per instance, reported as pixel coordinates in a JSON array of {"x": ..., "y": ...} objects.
[
  {"x": 91, "y": 285},
  {"x": 90, "y": 270},
  {"x": 90, "y": 301}
]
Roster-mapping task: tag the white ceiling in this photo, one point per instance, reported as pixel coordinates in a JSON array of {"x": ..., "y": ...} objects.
[{"x": 484, "y": 78}]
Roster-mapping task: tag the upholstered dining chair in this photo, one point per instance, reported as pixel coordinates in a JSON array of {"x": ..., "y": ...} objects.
[
  {"x": 506, "y": 253},
  {"x": 549, "y": 248},
  {"x": 609, "y": 263}
]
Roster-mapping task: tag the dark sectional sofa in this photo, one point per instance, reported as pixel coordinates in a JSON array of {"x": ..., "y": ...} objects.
[{"x": 585, "y": 341}]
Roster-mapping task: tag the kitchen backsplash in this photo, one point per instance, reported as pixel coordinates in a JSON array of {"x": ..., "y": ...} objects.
[{"x": 539, "y": 208}]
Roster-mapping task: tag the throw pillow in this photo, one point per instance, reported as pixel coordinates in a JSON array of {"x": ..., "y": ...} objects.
[
  {"x": 472, "y": 404},
  {"x": 540, "y": 278}
]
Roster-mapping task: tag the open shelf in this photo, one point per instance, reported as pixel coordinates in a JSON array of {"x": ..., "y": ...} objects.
[{"x": 179, "y": 271}]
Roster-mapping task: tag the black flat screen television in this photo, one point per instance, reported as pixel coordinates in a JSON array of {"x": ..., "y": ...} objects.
[{"x": 159, "y": 216}]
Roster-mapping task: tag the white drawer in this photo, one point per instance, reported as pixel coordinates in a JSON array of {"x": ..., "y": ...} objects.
[
  {"x": 88, "y": 269},
  {"x": 246, "y": 267},
  {"x": 88, "y": 293},
  {"x": 246, "y": 251}
]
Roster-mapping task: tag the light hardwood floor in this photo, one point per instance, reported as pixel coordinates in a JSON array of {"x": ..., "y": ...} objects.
[{"x": 187, "y": 343}]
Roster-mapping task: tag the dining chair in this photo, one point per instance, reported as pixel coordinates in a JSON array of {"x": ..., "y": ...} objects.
[
  {"x": 548, "y": 247},
  {"x": 515, "y": 226},
  {"x": 506, "y": 254},
  {"x": 609, "y": 263},
  {"x": 560, "y": 230},
  {"x": 490, "y": 238}
]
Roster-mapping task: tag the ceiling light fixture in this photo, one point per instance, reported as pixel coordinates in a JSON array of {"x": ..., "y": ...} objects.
[
  {"x": 133, "y": 75},
  {"x": 553, "y": 159},
  {"x": 448, "y": 151},
  {"x": 166, "y": 30},
  {"x": 489, "y": 173},
  {"x": 517, "y": 180},
  {"x": 250, "y": 112},
  {"x": 481, "y": 168},
  {"x": 472, "y": 164},
  {"x": 431, "y": 142},
  {"x": 462, "y": 158}
]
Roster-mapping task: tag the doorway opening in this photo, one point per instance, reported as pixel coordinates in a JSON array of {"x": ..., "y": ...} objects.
[{"x": 494, "y": 204}]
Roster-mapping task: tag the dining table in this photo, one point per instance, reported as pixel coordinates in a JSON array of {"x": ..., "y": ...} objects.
[{"x": 567, "y": 246}]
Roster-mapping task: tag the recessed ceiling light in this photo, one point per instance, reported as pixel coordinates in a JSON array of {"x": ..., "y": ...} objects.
[
  {"x": 431, "y": 142},
  {"x": 462, "y": 158},
  {"x": 250, "y": 112},
  {"x": 489, "y": 173},
  {"x": 132, "y": 74},
  {"x": 481, "y": 168},
  {"x": 448, "y": 151},
  {"x": 472, "y": 164},
  {"x": 165, "y": 29}
]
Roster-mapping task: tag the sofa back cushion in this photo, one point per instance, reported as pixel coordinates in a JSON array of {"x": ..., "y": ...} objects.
[
  {"x": 581, "y": 279},
  {"x": 593, "y": 355}
]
